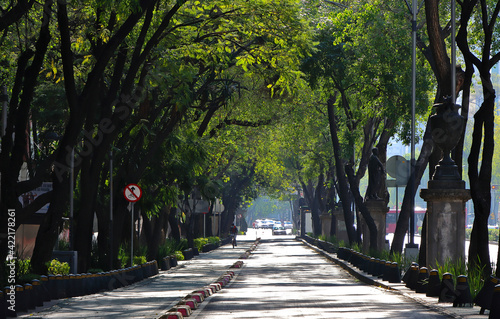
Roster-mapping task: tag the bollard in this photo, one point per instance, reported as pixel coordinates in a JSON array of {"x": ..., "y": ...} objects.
[
  {"x": 407, "y": 273},
  {"x": 10, "y": 301},
  {"x": 485, "y": 295},
  {"x": 189, "y": 302},
  {"x": 447, "y": 291},
  {"x": 44, "y": 283},
  {"x": 199, "y": 297},
  {"x": 21, "y": 305},
  {"x": 462, "y": 291},
  {"x": 422, "y": 280},
  {"x": 495, "y": 303},
  {"x": 376, "y": 267},
  {"x": 173, "y": 261},
  {"x": 59, "y": 287},
  {"x": 205, "y": 291},
  {"x": 387, "y": 271},
  {"x": 3, "y": 306},
  {"x": 66, "y": 286},
  {"x": 165, "y": 265},
  {"x": 394, "y": 273},
  {"x": 183, "y": 309},
  {"x": 172, "y": 315},
  {"x": 52, "y": 286},
  {"x": 411, "y": 280},
  {"x": 37, "y": 292},
  {"x": 381, "y": 268},
  {"x": 29, "y": 296},
  {"x": 434, "y": 285}
]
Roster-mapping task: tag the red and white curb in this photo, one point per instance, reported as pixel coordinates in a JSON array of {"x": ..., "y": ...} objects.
[{"x": 186, "y": 306}]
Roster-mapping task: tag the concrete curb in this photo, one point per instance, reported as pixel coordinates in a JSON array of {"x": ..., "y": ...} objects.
[
  {"x": 197, "y": 300},
  {"x": 399, "y": 288}
]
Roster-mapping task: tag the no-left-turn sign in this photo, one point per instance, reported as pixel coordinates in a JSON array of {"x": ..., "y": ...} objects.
[{"x": 132, "y": 193}]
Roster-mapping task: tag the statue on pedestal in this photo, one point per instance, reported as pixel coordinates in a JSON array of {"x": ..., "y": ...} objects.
[{"x": 376, "y": 173}]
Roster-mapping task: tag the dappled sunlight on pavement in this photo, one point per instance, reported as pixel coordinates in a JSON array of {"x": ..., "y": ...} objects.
[{"x": 284, "y": 279}]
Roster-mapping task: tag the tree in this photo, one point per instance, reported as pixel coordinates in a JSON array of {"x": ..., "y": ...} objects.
[{"x": 483, "y": 134}]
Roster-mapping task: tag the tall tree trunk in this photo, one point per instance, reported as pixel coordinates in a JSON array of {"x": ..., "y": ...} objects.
[
  {"x": 343, "y": 188},
  {"x": 480, "y": 184},
  {"x": 362, "y": 208}
]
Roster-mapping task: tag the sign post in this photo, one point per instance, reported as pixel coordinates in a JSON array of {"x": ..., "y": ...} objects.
[{"x": 132, "y": 193}]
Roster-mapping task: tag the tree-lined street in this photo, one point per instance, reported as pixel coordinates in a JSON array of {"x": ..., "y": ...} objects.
[{"x": 222, "y": 112}]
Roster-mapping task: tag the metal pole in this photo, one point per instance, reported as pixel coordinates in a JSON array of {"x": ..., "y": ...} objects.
[
  {"x": 5, "y": 99},
  {"x": 413, "y": 99},
  {"x": 111, "y": 209},
  {"x": 71, "y": 197},
  {"x": 453, "y": 53},
  {"x": 132, "y": 237}
]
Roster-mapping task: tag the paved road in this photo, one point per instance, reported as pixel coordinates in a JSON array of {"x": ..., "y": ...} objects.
[{"x": 285, "y": 279}]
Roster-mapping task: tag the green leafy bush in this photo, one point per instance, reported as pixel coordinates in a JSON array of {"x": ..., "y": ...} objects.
[
  {"x": 123, "y": 255},
  {"x": 214, "y": 240},
  {"x": 139, "y": 260},
  {"x": 200, "y": 242},
  {"x": 55, "y": 267},
  {"x": 178, "y": 254}
]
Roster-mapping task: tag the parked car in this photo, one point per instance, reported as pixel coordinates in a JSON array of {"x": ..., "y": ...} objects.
[{"x": 279, "y": 230}]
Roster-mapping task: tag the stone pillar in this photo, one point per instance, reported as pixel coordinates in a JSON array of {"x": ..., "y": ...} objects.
[
  {"x": 378, "y": 210},
  {"x": 326, "y": 224},
  {"x": 445, "y": 221},
  {"x": 340, "y": 227}
]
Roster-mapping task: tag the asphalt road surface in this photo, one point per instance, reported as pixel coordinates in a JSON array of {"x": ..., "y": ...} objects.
[{"x": 285, "y": 279}]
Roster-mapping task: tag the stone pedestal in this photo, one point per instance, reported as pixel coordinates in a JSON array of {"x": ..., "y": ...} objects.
[
  {"x": 445, "y": 221},
  {"x": 326, "y": 224},
  {"x": 378, "y": 210},
  {"x": 340, "y": 227}
]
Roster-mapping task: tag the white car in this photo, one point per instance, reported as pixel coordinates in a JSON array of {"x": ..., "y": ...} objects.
[
  {"x": 259, "y": 223},
  {"x": 279, "y": 230},
  {"x": 288, "y": 224},
  {"x": 268, "y": 223}
]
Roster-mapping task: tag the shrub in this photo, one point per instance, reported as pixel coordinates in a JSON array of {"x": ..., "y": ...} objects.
[
  {"x": 55, "y": 267},
  {"x": 200, "y": 242},
  {"x": 123, "y": 255},
  {"x": 139, "y": 260},
  {"x": 214, "y": 240},
  {"x": 178, "y": 254}
]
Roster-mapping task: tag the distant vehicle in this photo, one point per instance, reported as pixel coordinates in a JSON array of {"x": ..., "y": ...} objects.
[
  {"x": 392, "y": 218},
  {"x": 279, "y": 230},
  {"x": 259, "y": 223},
  {"x": 288, "y": 224},
  {"x": 277, "y": 223},
  {"x": 267, "y": 223}
]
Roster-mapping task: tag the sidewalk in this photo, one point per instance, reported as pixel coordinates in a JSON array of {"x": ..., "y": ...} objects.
[
  {"x": 152, "y": 297},
  {"x": 400, "y": 288}
]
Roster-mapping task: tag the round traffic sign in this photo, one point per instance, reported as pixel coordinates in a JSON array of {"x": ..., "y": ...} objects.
[
  {"x": 398, "y": 167},
  {"x": 132, "y": 193}
]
